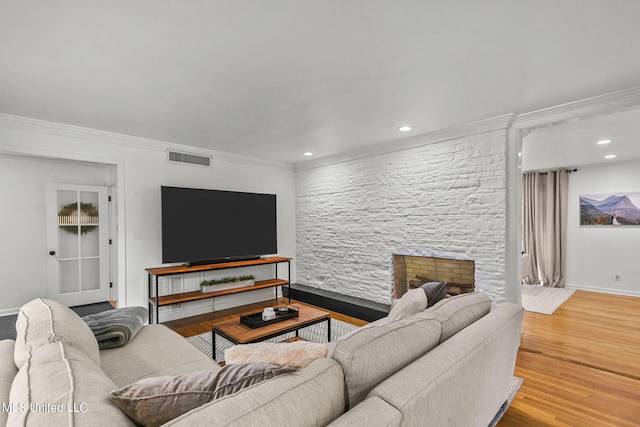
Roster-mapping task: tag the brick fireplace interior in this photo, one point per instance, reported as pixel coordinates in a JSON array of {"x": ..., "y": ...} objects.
[{"x": 411, "y": 271}]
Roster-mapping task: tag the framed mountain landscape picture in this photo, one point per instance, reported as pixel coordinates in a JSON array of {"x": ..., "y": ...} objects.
[{"x": 610, "y": 209}]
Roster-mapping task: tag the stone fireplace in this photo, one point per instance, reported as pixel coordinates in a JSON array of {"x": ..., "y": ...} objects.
[{"x": 411, "y": 271}]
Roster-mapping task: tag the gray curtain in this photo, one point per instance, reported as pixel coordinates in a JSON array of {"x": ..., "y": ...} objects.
[{"x": 544, "y": 227}]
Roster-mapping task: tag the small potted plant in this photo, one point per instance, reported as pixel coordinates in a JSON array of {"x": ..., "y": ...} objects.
[{"x": 226, "y": 283}]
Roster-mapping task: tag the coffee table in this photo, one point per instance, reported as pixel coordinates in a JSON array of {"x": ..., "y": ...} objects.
[{"x": 238, "y": 333}]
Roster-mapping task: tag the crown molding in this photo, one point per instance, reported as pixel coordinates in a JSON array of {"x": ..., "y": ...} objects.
[
  {"x": 76, "y": 132},
  {"x": 601, "y": 104},
  {"x": 457, "y": 132}
]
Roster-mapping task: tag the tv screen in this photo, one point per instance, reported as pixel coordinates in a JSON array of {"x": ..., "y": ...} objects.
[{"x": 200, "y": 226}]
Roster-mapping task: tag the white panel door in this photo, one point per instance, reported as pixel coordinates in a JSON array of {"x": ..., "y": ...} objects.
[{"x": 78, "y": 244}]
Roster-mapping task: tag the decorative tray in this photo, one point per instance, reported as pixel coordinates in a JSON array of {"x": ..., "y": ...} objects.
[{"x": 255, "y": 320}]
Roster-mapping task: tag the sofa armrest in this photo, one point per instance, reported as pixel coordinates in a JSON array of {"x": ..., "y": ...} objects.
[{"x": 312, "y": 396}]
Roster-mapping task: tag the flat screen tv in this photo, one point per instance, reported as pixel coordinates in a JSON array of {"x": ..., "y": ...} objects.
[{"x": 206, "y": 226}]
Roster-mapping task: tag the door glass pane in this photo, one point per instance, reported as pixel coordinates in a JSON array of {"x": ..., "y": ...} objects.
[
  {"x": 89, "y": 242},
  {"x": 67, "y": 224},
  {"x": 89, "y": 207},
  {"x": 69, "y": 276},
  {"x": 90, "y": 274},
  {"x": 68, "y": 242}
]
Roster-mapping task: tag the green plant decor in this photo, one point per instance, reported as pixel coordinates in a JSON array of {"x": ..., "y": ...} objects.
[
  {"x": 71, "y": 210},
  {"x": 226, "y": 280}
]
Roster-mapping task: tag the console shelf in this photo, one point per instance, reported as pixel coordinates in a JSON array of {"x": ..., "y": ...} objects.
[{"x": 157, "y": 272}]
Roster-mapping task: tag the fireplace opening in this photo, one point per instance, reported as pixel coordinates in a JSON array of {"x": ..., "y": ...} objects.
[{"x": 412, "y": 271}]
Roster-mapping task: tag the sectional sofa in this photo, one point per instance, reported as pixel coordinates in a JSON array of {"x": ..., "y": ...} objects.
[{"x": 448, "y": 365}]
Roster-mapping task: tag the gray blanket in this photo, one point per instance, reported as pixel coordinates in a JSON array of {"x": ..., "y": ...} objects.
[{"x": 114, "y": 328}]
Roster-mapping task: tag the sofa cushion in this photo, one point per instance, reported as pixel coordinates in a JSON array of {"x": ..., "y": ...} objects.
[
  {"x": 155, "y": 351},
  {"x": 372, "y": 411},
  {"x": 311, "y": 396},
  {"x": 297, "y": 354},
  {"x": 154, "y": 401},
  {"x": 435, "y": 291},
  {"x": 373, "y": 353},
  {"x": 458, "y": 312},
  {"x": 8, "y": 371},
  {"x": 43, "y": 321},
  {"x": 409, "y": 304},
  {"x": 60, "y": 385}
]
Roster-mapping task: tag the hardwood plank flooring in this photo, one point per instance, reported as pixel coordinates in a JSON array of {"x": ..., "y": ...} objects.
[
  {"x": 592, "y": 328},
  {"x": 581, "y": 365}
]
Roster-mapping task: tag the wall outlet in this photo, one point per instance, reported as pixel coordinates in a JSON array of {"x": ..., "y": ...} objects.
[{"x": 616, "y": 277}]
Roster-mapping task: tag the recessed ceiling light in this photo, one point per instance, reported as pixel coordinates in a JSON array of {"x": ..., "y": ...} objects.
[
  {"x": 610, "y": 156},
  {"x": 404, "y": 128},
  {"x": 604, "y": 141},
  {"x": 308, "y": 153}
]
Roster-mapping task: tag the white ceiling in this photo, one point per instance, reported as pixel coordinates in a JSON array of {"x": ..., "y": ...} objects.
[
  {"x": 273, "y": 79},
  {"x": 575, "y": 143}
]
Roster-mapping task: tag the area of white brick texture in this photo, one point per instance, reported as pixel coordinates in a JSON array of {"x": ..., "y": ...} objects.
[{"x": 444, "y": 198}]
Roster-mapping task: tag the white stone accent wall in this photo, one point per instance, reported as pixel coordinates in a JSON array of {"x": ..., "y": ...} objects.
[{"x": 441, "y": 198}]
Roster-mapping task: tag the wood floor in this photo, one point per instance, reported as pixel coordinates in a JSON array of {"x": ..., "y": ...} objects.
[{"x": 581, "y": 365}]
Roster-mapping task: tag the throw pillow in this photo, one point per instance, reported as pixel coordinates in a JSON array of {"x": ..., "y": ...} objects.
[
  {"x": 435, "y": 291},
  {"x": 411, "y": 303},
  {"x": 155, "y": 401},
  {"x": 297, "y": 354},
  {"x": 238, "y": 377}
]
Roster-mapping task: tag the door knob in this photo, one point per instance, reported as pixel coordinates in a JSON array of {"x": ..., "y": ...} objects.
[{"x": 52, "y": 253}]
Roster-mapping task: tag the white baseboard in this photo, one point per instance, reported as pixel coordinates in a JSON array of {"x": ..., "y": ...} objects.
[
  {"x": 9, "y": 311},
  {"x": 605, "y": 290}
]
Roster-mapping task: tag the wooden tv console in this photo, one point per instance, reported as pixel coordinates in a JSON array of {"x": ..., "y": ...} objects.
[{"x": 158, "y": 301}]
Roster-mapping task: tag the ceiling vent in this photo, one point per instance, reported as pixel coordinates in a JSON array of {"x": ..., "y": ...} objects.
[{"x": 191, "y": 159}]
